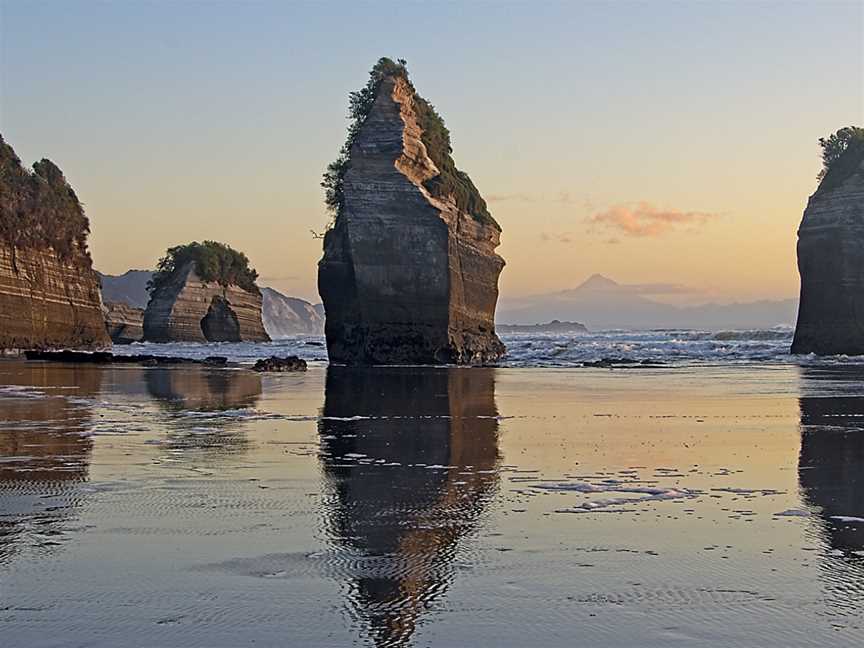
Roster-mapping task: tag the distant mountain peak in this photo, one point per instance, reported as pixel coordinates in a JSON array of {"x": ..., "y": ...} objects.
[{"x": 598, "y": 282}]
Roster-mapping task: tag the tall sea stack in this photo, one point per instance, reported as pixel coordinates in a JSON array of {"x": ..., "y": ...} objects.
[
  {"x": 831, "y": 253},
  {"x": 409, "y": 273},
  {"x": 49, "y": 292}
]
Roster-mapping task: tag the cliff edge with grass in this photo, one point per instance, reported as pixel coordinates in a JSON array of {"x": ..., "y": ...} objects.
[{"x": 49, "y": 293}]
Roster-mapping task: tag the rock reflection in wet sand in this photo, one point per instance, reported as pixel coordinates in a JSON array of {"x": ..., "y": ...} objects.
[
  {"x": 831, "y": 475},
  {"x": 44, "y": 455},
  {"x": 409, "y": 458},
  {"x": 198, "y": 402}
]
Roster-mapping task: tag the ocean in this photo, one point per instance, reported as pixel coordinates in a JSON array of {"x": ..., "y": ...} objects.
[{"x": 672, "y": 347}]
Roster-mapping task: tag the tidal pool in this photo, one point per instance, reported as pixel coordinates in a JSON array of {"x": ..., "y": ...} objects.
[{"x": 194, "y": 506}]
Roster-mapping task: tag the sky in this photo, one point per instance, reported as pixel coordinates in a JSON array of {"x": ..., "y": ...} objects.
[{"x": 652, "y": 142}]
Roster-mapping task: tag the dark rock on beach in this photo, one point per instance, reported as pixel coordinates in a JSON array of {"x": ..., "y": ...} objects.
[
  {"x": 622, "y": 363},
  {"x": 276, "y": 364},
  {"x": 105, "y": 357}
]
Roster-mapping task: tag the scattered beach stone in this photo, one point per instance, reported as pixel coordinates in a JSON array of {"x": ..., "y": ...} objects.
[{"x": 275, "y": 363}]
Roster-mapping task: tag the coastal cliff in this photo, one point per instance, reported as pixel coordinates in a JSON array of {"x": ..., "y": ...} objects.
[
  {"x": 285, "y": 316},
  {"x": 409, "y": 272},
  {"x": 831, "y": 256},
  {"x": 189, "y": 309},
  {"x": 125, "y": 323},
  {"x": 49, "y": 293}
]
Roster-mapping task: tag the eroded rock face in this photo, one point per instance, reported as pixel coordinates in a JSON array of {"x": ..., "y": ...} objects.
[
  {"x": 190, "y": 310},
  {"x": 49, "y": 293},
  {"x": 406, "y": 277},
  {"x": 125, "y": 323},
  {"x": 831, "y": 263}
]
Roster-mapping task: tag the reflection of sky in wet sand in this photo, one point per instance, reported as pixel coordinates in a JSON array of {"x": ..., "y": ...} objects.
[
  {"x": 405, "y": 483},
  {"x": 402, "y": 507}
]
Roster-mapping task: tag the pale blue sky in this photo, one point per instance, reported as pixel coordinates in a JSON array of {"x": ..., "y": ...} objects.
[{"x": 177, "y": 121}]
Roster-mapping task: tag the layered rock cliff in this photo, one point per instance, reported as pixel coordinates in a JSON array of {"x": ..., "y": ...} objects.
[
  {"x": 125, "y": 323},
  {"x": 49, "y": 293},
  {"x": 831, "y": 262},
  {"x": 409, "y": 272},
  {"x": 188, "y": 309}
]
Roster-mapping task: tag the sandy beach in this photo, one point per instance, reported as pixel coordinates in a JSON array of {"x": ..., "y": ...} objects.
[{"x": 195, "y": 506}]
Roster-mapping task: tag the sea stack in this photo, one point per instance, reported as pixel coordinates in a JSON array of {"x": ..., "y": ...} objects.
[
  {"x": 204, "y": 292},
  {"x": 409, "y": 273},
  {"x": 831, "y": 253},
  {"x": 49, "y": 292}
]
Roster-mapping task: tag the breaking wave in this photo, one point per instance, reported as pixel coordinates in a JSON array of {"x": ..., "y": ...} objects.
[{"x": 670, "y": 347}]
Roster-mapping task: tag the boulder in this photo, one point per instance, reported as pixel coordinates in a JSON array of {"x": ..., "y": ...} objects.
[{"x": 276, "y": 364}]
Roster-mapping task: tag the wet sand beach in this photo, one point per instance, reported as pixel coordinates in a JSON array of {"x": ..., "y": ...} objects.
[{"x": 198, "y": 506}]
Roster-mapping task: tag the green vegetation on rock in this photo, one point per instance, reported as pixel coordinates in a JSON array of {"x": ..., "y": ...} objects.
[
  {"x": 842, "y": 155},
  {"x": 39, "y": 210},
  {"x": 214, "y": 262},
  {"x": 450, "y": 182}
]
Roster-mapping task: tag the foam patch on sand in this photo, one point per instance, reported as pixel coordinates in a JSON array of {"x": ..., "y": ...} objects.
[{"x": 631, "y": 494}]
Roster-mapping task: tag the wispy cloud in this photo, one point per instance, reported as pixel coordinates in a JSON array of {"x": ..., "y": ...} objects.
[
  {"x": 515, "y": 197},
  {"x": 644, "y": 219},
  {"x": 281, "y": 278},
  {"x": 659, "y": 289},
  {"x": 562, "y": 237}
]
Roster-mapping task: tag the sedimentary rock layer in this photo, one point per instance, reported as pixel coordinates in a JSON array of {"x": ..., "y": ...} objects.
[
  {"x": 406, "y": 277},
  {"x": 49, "y": 293},
  {"x": 188, "y": 309},
  {"x": 125, "y": 323},
  {"x": 47, "y": 303},
  {"x": 831, "y": 263}
]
